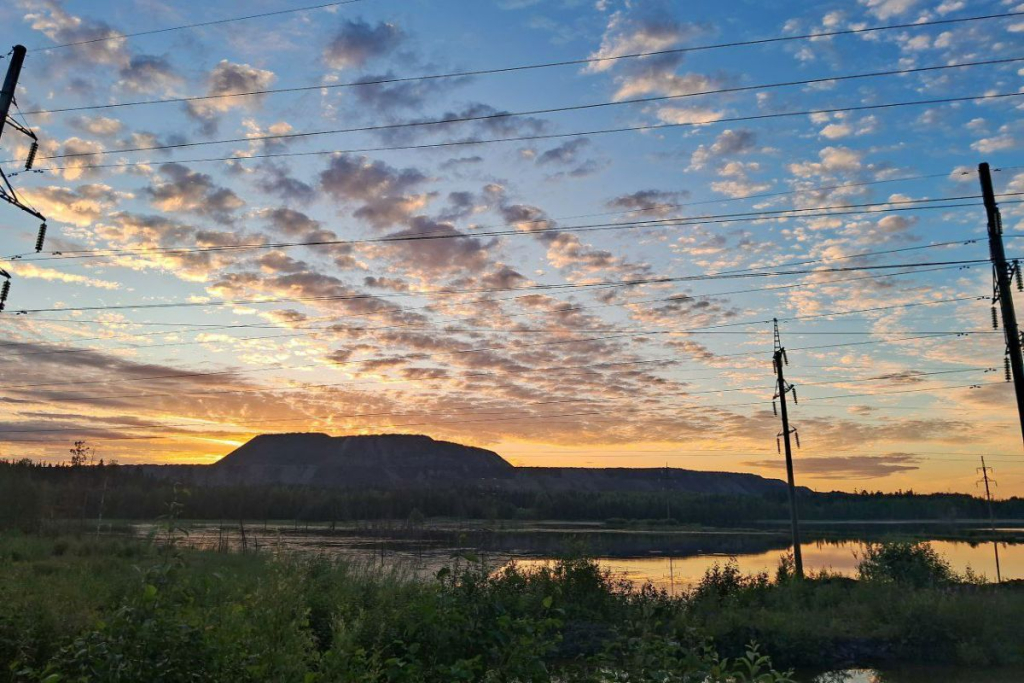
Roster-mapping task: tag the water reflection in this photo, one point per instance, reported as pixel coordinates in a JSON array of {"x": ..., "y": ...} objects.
[
  {"x": 675, "y": 574},
  {"x": 674, "y": 562},
  {"x": 928, "y": 674}
]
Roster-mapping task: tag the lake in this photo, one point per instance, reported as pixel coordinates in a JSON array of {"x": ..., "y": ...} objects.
[{"x": 671, "y": 560}]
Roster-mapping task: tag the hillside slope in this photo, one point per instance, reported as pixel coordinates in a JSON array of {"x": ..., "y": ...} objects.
[{"x": 391, "y": 461}]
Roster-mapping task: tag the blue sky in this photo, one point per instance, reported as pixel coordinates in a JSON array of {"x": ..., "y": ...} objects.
[{"x": 622, "y": 377}]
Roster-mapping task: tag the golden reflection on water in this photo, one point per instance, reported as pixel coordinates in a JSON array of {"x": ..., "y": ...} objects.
[{"x": 678, "y": 573}]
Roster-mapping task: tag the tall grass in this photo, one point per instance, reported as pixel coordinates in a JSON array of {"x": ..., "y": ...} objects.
[
  {"x": 86, "y": 609},
  {"x": 103, "y": 609}
]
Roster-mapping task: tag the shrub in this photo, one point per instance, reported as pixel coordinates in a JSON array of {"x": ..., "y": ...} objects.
[{"x": 906, "y": 564}]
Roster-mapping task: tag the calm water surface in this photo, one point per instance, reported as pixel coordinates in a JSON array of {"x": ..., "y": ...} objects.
[{"x": 674, "y": 571}]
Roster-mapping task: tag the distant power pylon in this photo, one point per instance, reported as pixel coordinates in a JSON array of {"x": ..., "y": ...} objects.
[
  {"x": 782, "y": 388},
  {"x": 1003, "y": 273},
  {"x": 991, "y": 516}
]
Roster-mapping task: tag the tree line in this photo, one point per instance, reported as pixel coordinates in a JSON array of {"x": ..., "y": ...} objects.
[{"x": 32, "y": 494}]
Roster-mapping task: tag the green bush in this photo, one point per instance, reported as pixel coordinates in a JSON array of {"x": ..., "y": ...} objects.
[{"x": 905, "y": 564}]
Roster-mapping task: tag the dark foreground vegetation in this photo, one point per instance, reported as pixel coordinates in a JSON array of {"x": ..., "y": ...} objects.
[
  {"x": 33, "y": 494},
  {"x": 88, "y": 608}
]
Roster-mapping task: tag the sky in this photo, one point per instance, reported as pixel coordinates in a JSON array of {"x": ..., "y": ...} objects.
[{"x": 600, "y": 282}]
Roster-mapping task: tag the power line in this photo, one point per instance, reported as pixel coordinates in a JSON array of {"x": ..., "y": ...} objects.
[
  {"x": 201, "y": 24},
  {"x": 313, "y": 331},
  {"x": 529, "y": 416},
  {"x": 554, "y": 136},
  {"x": 512, "y": 69},
  {"x": 537, "y": 287},
  {"x": 532, "y": 112},
  {"x": 216, "y": 373},
  {"x": 586, "y": 369},
  {"x": 210, "y": 327},
  {"x": 896, "y": 206}
]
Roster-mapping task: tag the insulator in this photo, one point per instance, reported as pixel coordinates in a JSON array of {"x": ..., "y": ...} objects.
[
  {"x": 785, "y": 357},
  {"x": 775, "y": 365},
  {"x": 32, "y": 151},
  {"x": 778, "y": 445},
  {"x": 797, "y": 435},
  {"x": 4, "y": 291},
  {"x": 1006, "y": 368},
  {"x": 795, "y": 401},
  {"x": 40, "y": 237},
  {"x": 774, "y": 409},
  {"x": 995, "y": 319},
  {"x": 1017, "y": 276}
]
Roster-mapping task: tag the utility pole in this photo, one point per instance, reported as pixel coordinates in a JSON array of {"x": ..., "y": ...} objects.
[
  {"x": 1003, "y": 273},
  {"x": 782, "y": 388},
  {"x": 991, "y": 516},
  {"x": 11, "y": 83},
  {"x": 7, "y": 192}
]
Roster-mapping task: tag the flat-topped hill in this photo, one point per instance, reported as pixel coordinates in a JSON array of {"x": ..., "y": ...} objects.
[{"x": 390, "y": 461}]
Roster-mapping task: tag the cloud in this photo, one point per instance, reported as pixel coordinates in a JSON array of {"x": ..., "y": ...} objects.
[
  {"x": 148, "y": 73},
  {"x": 887, "y": 9},
  {"x": 80, "y": 206},
  {"x": 455, "y": 253},
  {"x": 226, "y": 78},
  {"x": 100, "y": 126},
  {"x": 629, "y": 34},
  {"x": 33, "y": 272},
  {"x": 194, "y": 192},
  {"x": 849, "y": 466},
  {"x": 50, "y": 18},
  {"x": 832, "y": 160},
  {"x": 728, "y": 143},
  {"x": 298, "y": 226},
  {"x": 695, "y": 115},
  {"x": 274, "y": 178},
  {"x": 77, "y": 153},
  {"x": 648, "y": 202},
  {"x": 356, "y": 42},
  {"x": 386, "y": 97},
  {"x": 643, "y": 29},
  {"x": 566, "y": 153},
  {"x": 380, "y": 189}
]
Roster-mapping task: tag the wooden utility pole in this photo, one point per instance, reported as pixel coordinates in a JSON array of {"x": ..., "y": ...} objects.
[
  {"x": 991, "y": 516},
  {"x": 782, "y": 388},
  {"x": 7, "y": 192},
  {"x": 1003, "y": 273},
  {"x": 11, "y": 83}
]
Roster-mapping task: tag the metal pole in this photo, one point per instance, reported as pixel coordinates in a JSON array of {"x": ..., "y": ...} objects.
[
  {"x": 11, "y": 83},
  {"x": 798, "y": 559},
  {"x": 1001, "y": 271},
  {"x": 991, "y": 518}
]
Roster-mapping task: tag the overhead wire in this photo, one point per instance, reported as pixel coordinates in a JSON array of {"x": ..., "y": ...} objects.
[
  {"x": 891, "y": 206},
  {"x": 335, "y": 329},
  {"x": 522, "y": 67},
  {"x": 263, "y": 137},
  {"x": 201, "y": 24},
  {"x": 531, "y": 288},
  {"x": 553, "y": 136},
  {"x": 200, "y": 423}
]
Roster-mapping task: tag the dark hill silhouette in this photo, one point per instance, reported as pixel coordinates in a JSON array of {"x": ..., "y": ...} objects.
[
  {"x": 411, "y": 460},
  {"x": 382, "y": 460}
]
